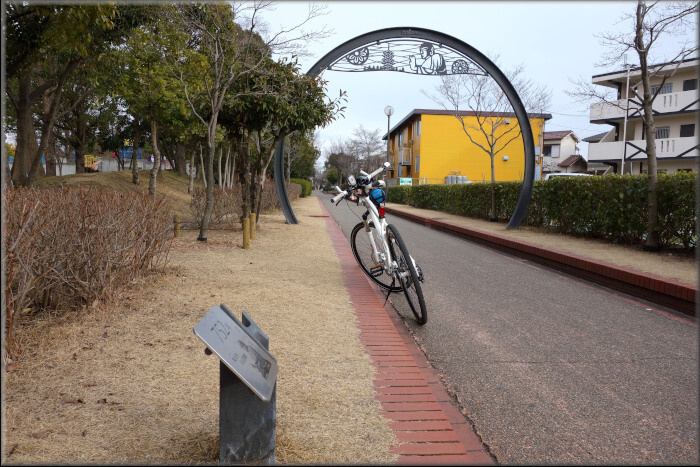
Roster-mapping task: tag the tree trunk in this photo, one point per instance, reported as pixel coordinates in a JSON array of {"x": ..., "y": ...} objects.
[
  {"x": 493, "y": 191},
  {"x": 51, "y": 157},
  {"x": 80, "y": 157},
  {"x": 190, "y": 186},
  {"x": 232, "y": 180},
  {"x": 244, "y": 175},
  {"x": 221, "y": 153},
  {"x": 156, "y": 157},
  {"x": 209, "y": 178},
  {"x": 652, "y": 241},
  {"x": 80, "y": 146},
  {"x": 134, "y": 156},
  {"x": 49, "y": 122},
  {"x": 180, "y": 161},
  {"x": 26, "y": 138},
  {"x": 201, "y": 166},
  {"x": 227, "y": 176}
]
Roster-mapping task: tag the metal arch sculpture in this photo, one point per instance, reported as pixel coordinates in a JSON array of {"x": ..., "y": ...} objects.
[{"x": 440, "y": 54}]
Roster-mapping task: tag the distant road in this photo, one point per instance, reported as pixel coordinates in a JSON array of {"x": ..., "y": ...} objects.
[{"x": 551, "y": 369}]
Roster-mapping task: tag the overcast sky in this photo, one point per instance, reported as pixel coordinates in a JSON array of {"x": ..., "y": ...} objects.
[{"x": 554, "y": 39}]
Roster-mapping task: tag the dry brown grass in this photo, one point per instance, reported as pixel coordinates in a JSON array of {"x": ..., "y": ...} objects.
[
  {"x": 169, "y": 185},
  {"x": 129, "y": 382}
]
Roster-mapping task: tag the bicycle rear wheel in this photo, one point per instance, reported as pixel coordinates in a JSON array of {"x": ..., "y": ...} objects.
[
  {"x": 407, "y": 274},
  {"x": 362, "y": 250}
]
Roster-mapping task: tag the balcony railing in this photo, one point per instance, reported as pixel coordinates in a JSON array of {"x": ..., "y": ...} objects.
[
  {"x": 684, "y": 101},
  {"x": 636, "y": 150},
  {"x": 405, "y": 156}
]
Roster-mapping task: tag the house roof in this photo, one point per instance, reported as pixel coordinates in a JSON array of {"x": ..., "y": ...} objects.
[
  {"x": 571, "y": 160},
  {"x": 559, "y": 135},
  {"x": 635, "y": 70},
  {"x": 595, "y": 138},
  {"x": 466, "y": 113}
]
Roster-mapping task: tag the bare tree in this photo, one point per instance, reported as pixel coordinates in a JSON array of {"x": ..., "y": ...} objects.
[
  {"x": 368, "y": 147},
  {"x": 485, "y": 112},
  {"x": 214, "y": 52},
  {"x": 339, "y": 157},
  {"x": 648, "y": 26}
]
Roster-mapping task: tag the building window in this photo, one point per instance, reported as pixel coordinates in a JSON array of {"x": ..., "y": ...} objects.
[
  {"x": 688, "y": 131},
  {"x": 401, "y": 139},
  {"x": 663, "y": 132},
  {"x": 666, "y": 89},
  {"x": 685, "y": 170},
  {"x": 690, "y": 84},
  {"x": 418, "y": 128},
  {"x": 661, "y": 171},
  {"x": 552, "y": 150}
]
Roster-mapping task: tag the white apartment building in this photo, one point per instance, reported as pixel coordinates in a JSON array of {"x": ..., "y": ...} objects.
[{"x": 675, "y": 118}]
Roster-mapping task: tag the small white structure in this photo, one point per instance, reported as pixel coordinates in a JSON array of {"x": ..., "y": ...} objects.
[{"x": 557, "y": 146}]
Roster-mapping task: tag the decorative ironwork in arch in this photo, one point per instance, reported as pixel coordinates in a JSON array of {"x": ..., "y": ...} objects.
[
  {"x": 388, "y": 50},
  {"x": 415, "y": 56}
]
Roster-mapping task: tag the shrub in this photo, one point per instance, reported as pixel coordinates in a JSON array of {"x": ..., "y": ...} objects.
[
  {"x": 306, "y": 186},
  {"x": 67, "y": 247},
  {"x": 612, "y": 207},
  {"x": 226, "y": 210}
]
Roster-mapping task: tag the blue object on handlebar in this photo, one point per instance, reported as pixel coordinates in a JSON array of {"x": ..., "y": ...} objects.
[{"x": 377, "y": 195}]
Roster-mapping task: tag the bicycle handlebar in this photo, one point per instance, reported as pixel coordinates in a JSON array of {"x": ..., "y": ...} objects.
[
  {"x": 342, "y": 194},
  {"x": 379, "y": 183}
]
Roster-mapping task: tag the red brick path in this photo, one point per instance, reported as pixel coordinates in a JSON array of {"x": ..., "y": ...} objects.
[{"x": 430, "y": 429}]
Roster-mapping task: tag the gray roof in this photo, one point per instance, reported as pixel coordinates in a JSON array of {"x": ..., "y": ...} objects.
[{"x": 596, "y": 138}]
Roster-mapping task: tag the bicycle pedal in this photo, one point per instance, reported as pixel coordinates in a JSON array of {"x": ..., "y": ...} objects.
[
  {"x": 376, "y": 271},
  {"x": 420, "y": 273}
]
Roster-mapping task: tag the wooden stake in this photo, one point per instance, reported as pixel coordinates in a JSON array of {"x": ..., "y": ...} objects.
[
  {"x": 246, "y": 233},
  {"x": 252, "y": 226}
]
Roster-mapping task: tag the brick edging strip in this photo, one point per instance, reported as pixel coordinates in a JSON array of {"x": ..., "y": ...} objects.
[
  {"x": 429, "y": 427},
  {"x": 666, "y": 292}
]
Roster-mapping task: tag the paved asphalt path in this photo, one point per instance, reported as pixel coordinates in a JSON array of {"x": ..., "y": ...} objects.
[{"x": 551, "y": 369}]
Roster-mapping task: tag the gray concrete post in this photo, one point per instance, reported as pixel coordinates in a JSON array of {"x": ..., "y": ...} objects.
[{"x": 246, "y": 423}]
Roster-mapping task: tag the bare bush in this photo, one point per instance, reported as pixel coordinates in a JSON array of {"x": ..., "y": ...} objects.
[
  {"x": 226, "y": 210},
  {"x": 67, "y": 247}
]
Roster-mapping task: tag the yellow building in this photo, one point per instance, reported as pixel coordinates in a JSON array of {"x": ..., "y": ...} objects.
[{"x": 429, "y": 145}]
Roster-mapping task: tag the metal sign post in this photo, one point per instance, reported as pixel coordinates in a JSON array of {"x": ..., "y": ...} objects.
[{"x": 248, "y": 396}]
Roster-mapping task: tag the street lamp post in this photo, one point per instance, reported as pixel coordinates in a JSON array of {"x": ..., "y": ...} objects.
[
  {"x": 627, "y": 111},
  {"x": 388, "y": 111}
]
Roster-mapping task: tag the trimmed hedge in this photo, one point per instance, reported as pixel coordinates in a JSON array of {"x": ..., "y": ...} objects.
[
  {"x": 612, "y": 207},
  {"x": 306, "y": 186}
]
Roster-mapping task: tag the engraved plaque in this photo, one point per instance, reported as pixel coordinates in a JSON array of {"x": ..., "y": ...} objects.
[{"x": 228, "y": 338}]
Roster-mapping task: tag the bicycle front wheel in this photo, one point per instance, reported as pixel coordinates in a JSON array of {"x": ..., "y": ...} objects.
[
  {"x": 407, "y": 274},
  {"x": 366, "y": 258}
]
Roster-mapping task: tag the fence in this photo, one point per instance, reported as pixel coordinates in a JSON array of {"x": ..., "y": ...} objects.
[{"x": 430, "y": 181}]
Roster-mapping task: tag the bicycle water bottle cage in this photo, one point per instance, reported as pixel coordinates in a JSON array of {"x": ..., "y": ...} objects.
[{"x": 377, "y": 196}]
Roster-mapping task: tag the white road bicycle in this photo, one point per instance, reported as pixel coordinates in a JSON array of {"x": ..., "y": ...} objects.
[{"x": 378, "y": 247}]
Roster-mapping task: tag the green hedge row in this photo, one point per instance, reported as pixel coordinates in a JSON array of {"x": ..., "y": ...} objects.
[
  {"x": 306, "y": 186},
  {"x": 613, "y": 207}
]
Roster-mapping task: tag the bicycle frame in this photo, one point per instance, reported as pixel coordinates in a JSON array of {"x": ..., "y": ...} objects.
[
  {"x": 383, "y": 255},
  {"x": 380, "y": 224}
]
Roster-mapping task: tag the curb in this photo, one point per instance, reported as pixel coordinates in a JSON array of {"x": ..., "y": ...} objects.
[
  {"x": 429, "y": 427},
  {"x": 660, "y": 290}
]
